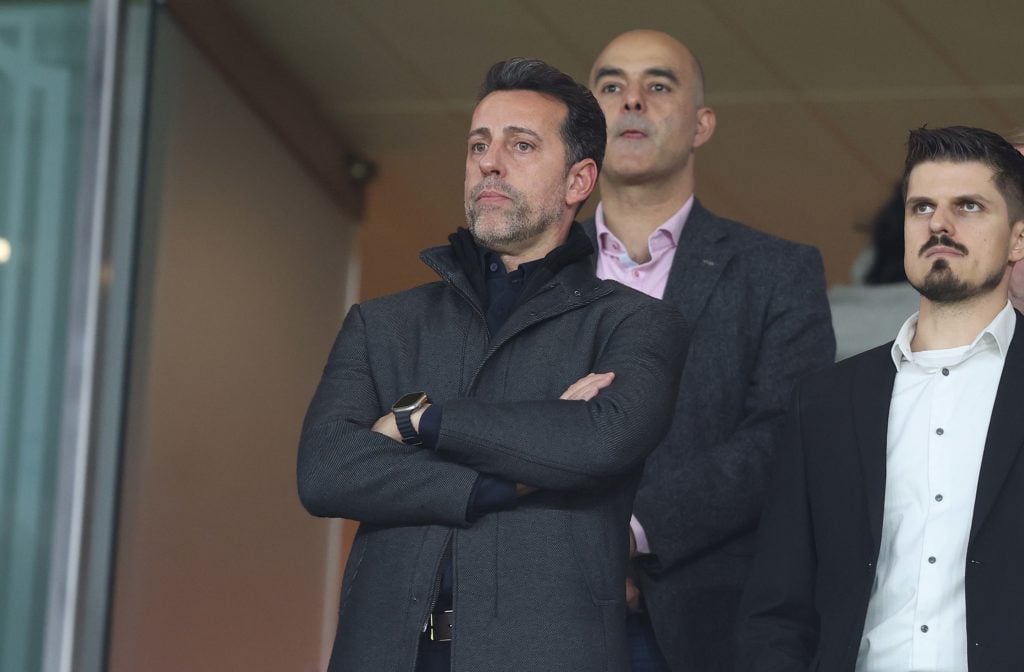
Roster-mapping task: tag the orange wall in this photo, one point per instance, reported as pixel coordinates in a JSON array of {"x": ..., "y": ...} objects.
[{"x": 218, "y": 567}]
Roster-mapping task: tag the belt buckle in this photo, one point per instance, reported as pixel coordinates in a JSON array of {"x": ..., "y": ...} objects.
[{"x": 440, "y": 625}]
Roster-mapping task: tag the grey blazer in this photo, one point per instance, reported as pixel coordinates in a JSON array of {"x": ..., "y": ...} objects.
[
  {"x": 538, "y": 587},
  {"x": 760, "y": 320}
]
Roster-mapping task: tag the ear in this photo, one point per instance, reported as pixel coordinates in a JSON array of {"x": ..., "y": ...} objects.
[
  {"x": 580, "y": 182},
  {"x": 706, "y": 121},
  {"x": 1016, "y": 241}
]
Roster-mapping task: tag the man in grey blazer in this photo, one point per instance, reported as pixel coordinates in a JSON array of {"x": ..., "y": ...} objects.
[
  {"x": 760, "y": 319},
  {"x": 495, "y": 494}
]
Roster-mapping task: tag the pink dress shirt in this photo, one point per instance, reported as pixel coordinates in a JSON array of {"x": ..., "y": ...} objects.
[{"x": 614, "y": 263}]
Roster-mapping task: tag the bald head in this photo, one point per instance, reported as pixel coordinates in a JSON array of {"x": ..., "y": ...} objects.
[
  {"x": 651, "y": 47},
  {"x": 651, "y": 90}
]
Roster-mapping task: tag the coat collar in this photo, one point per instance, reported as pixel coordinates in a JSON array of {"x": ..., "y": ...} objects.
[{"x": 571, "y": 286}]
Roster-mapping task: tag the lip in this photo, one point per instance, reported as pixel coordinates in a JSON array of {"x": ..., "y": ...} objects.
[
  {"x": 942, "y": 251},
  {"x": 633, "y": 134},
  {"x": 490, "y": 196}
]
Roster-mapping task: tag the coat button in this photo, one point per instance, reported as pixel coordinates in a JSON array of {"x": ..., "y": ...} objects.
[{"x": 577, "y": 293}]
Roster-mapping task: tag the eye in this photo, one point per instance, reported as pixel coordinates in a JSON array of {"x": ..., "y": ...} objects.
[
  {"x": 970, "y": 206},
  {"x": 611, "y": 88},
  {"x": 660, "y": 88},
  {"x": 923, "y": 208},
  {"x": 523, "y": 146},
  {"x": 477, "y": 147}
]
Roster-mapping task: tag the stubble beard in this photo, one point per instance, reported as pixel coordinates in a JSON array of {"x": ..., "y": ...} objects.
[{"x": 520, "y": 224}]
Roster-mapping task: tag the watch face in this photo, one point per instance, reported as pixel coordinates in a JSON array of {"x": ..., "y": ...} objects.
[{"x": 410, "y": 402}]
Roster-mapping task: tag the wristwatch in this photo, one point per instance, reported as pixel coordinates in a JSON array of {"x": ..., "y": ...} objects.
[{"x": 403, "y": 409}]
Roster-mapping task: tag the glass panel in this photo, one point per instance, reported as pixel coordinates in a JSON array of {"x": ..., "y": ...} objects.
[{"x": 42, "y": 75}]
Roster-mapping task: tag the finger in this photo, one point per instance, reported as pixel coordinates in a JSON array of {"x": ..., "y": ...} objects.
[
  {"x": 588, "y": 386},
  {"x": 572, "y": 389}
]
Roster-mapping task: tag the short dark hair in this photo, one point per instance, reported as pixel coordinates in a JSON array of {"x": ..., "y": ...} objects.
[
  {"x": 960, "y": 144},
  {"x": 583, "y": 132}
]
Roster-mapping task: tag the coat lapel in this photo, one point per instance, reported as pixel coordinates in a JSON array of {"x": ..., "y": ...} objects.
[
  {"x": 1005, "y": 430},
  {"x": 872, "y": 393},
  {"x": 698, "y": 264}
]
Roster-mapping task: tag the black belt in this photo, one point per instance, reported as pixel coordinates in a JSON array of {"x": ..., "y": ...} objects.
[{"x": 440, "y": 625}]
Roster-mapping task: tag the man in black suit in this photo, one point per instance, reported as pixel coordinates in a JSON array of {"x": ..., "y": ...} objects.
[
  {"x": 757, "y": 304},
  {"x": 893, "y": 536}
]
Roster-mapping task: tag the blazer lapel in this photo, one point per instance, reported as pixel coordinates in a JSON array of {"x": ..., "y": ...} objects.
[
  {"x": 1005, "y": 430},
  {"x": 872, "y": 394},
  {"x": 699, "y": 261}
]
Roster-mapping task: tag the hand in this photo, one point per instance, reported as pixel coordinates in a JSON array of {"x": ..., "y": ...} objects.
[
  {"x": 632, "y": 597},
  {"x": 587, "y": 387},
  {"x": 387, "y": 426},
  {"x": 632, "y": 544},
  {"x": 523, "y": 490}
]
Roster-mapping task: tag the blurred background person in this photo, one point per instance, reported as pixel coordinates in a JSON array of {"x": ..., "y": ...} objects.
[{"x": 869, "y": 311}]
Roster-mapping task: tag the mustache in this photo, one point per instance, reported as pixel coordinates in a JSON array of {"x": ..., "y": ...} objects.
[
  {"x": 494, "y": 184},
  {"x": 943, "y": 240},
  {"x": 631, "y": 121}
]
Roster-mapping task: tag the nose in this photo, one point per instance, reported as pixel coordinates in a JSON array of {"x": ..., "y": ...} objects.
[
  {"x": 492, "y": 162},
  {"x": 941, "y": 221},
  {"x": 634, "y": 99}
]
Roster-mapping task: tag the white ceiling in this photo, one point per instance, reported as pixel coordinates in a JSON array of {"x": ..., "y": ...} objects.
[{"x": 814, "y": 98}]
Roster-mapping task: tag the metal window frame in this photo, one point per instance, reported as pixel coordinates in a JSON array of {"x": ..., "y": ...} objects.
[{"x": 98, "y": 346}]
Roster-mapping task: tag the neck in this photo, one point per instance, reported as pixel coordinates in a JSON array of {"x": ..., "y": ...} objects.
[
  {"x": 952, "y": 325},
  {"x": 633, "y": 211}
]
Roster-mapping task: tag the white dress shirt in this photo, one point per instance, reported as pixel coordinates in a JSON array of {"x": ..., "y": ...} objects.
[{"x": 938, "y": 422}]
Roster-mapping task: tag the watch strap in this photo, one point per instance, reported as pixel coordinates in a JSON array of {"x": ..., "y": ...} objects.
[{"x": 409, "y": 434}]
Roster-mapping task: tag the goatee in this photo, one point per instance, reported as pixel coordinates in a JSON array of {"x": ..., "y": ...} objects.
[{"x": 942, "y": 285}]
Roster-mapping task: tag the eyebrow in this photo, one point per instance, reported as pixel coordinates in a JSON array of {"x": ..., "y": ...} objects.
[
  {"x": 609, "y": 71},
  {"x": 508, "y": 130},
  {"x": 976, "y": 198},
  {"x": 960, "y": 198}
]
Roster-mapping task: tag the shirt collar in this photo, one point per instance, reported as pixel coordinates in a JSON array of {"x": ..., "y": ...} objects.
[
  {"x": 999, "y": 332},
  {"x": 672, "y": 228}
]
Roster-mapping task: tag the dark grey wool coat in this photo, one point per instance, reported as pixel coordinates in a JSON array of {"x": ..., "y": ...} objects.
[{"x": 539, "y": 587}]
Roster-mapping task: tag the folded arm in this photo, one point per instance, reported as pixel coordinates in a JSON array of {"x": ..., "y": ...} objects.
[{"x": 567, "y": 444}]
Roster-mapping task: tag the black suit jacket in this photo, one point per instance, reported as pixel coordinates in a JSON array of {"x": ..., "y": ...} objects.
[
  {"x": 808, "y": 594},
  {"x": 760, "y": 320}
]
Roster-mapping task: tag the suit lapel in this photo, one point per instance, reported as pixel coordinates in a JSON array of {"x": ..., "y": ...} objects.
[
  {"x": 1005, "y": 430},
  {"x": 698, "y": 263},
  {"x": 700, "y": 258},
  {"x": 872, "y": 394}
]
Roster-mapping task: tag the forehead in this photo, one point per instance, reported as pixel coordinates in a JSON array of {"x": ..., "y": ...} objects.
[
  {"x": 635, "y": 54},
  {"x": 501, "y": 110},
  {"x": 948, "y": 178}
]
